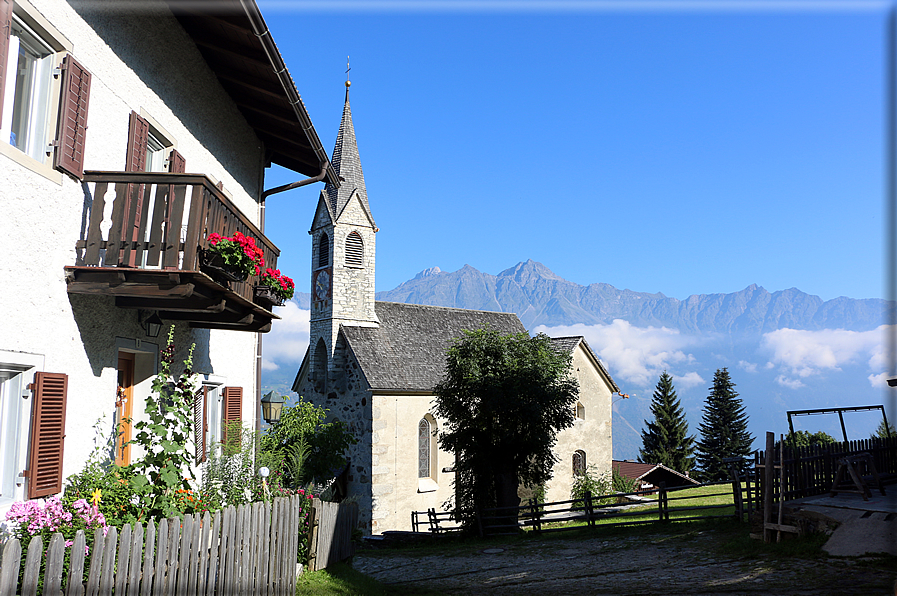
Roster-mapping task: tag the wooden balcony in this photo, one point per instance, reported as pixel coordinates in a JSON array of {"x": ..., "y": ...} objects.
[{"x": 146, "y": 252}]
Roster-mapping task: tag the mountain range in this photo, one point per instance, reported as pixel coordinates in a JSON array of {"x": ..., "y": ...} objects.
[{"x": 786, "y": 350}]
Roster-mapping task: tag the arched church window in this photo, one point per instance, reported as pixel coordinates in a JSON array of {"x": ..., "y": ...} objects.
[
  {"x": 354, "y": 250},
  {"x": 323, "y": 251},
  {"x": 423, "y": 448},
  {"x": 579, "y": 462},
  {"x": 320, "y": 367}
]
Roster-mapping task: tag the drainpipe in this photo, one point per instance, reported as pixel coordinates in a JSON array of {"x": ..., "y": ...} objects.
[{"x": 293, "y": 185}]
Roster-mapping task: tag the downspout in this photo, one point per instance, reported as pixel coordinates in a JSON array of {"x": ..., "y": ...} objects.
[{"x": 293, "y": 185}]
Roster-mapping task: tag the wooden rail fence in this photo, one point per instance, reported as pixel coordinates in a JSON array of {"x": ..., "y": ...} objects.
[{"x": 249, "y": 549}]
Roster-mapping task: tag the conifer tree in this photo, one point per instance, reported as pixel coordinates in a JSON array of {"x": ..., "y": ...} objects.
[
  {"x": 665, "y": 440},
  {"x": 723, "y": 428}
]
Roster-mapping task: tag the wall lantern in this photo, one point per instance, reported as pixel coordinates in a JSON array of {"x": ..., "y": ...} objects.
[
  {"x": 272, "y": 405},
  {"x": 152, "y": 325}
]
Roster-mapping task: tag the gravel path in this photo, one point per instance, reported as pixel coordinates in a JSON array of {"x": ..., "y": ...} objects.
[{"x": 662, "y": 564}]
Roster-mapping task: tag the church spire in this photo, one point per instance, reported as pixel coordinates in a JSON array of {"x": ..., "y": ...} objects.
[{"x": 347, "y": 164}]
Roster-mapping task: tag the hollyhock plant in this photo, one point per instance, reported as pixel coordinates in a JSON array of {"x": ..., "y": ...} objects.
[
  {"x": 239, "y": 252},
  {"x": 283, "y": 286}
]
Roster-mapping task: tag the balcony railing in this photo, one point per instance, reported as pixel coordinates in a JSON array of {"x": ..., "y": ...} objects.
[
  {"x": 161, "y": 221},
  {"x": 155, "y": 229}
]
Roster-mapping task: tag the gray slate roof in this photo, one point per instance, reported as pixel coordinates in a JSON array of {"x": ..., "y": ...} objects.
[
  {"x": 407, "y": 351},
  {"x": 347, "y": 164}
]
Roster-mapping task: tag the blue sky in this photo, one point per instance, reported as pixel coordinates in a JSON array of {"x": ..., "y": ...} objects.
[{"x": 672, "y": 147}]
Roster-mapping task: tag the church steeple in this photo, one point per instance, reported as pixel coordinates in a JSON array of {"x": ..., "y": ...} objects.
[
  {"x": 343, "y": 251},
  {"x": 347, "y": 164}
]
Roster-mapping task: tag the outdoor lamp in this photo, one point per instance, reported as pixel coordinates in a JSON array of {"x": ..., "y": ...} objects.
[
  {"x": 152, "y": 324},
  {"x": 272, "y": 405}
]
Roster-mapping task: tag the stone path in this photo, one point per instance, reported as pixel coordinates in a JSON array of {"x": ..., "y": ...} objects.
[{"x": 643, "y": 565}]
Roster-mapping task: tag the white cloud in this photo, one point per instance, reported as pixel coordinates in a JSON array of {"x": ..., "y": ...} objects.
[
  {"x": 789, "y": 383},
  {"x": 688, "y": 380},
  {"x": 750, "y": 367},
  {"x": 801, "y": 354},
  {"x": 635, "y": 355},
  {"x": 288, "y": 339}
]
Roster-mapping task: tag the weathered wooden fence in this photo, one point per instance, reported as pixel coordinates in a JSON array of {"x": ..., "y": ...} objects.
[
  {"x": 330, "y": 533},
  {"x": 593, "y": 509},
  {"x": 809, "y": 471},
  {"x": 249, "y": 549}
]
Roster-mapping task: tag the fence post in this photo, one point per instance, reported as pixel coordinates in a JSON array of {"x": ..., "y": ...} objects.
[
  {"x": 9, "y": 571},
  {"x": 662, "y": 502},
  {"x": 590, "y": 509},
  {"x": 313, "y": 536},
  {"x": 768, "y": 471}
]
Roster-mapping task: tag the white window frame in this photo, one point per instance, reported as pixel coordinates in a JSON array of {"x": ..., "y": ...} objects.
[
  {"x": 214, "y": 398},
  {"x": 29, "y": 17},
  {"x": 16, "y": 373}
]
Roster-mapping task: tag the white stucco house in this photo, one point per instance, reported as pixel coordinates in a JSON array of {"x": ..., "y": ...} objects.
[
  {"x": 374, "y": 365},
  {"x": 129, "y": 132}
]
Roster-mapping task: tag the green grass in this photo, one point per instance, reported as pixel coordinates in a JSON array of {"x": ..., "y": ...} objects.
[{"x": 342, "y": 580}]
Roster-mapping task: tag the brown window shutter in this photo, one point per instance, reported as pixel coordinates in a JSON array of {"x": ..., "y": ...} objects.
[
  {"x": 138, "y": 131},
  {"x": 233, "y": 411},
  {"x": 177, "y": 164},
  {"x": 200, "y": 423},
  {"x": 47, "y": 434},
  {"x": 72, "y": 127},
  {"x": 5, "y": 29}
]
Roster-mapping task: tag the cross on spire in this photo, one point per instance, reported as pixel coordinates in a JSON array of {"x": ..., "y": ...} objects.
[{"x": 348, "y": 68}]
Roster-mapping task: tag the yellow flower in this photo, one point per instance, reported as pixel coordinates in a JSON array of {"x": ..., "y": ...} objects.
[{"x": 95, "y": 496}]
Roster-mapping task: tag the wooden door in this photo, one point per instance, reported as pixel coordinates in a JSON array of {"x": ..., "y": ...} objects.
[{"x": 124, "y": 402}]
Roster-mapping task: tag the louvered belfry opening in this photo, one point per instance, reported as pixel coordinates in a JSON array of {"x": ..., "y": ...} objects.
[
  {"x": 354, "y": 250},
  {"x": 323, "y": 251}
]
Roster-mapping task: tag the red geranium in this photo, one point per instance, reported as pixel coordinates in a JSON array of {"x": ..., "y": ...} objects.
[
  {"x": 239, "y": 252},
  {"x": 283, "y": 285}
]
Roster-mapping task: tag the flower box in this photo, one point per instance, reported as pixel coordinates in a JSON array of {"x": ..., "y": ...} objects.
[
  {"x": 267, "y": 297},
  {"x": 213, "y": 265}
]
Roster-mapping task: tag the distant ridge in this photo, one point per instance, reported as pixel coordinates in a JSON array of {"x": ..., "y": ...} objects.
[{"x": 541, "y": 297}]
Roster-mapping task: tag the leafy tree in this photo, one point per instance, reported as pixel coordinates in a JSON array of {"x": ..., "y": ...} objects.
[
  {"x": 723, "y": 428},
  {"x": 666, "y": 440},
  {"x": 503, "y": 398},
  {"x": 803, "y": 438},
  {"x": 301, "y": 436},
  {"x": 882, "y": 433}
]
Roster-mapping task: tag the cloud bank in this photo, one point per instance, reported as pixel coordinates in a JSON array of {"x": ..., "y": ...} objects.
[
  {"x": 637, "y": 355},
  {"x": 288, "y": 340}
]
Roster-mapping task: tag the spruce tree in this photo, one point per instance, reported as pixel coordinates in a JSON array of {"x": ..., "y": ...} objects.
[
  {"x": 665, "y": 440},
  {"x": 723, "y": 428}
]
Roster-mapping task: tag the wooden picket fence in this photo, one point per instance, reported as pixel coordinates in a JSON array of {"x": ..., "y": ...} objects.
[
  {"x": 809, "y": 471},
  {"x": 330, "y": 533},
  {"x": 250, "y": 549}
]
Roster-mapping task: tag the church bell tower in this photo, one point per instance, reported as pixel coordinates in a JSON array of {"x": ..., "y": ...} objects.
[{"x": 343, "y": 250}]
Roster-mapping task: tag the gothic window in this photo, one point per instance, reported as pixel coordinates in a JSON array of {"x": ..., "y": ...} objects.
[
  {"x": 423, "y": 448},
  {"x": 323, "y": 251},
  {"x": 579, "y": 462},
  {"x": 320, "y": 367},
  {"x": 354, "y": 250}
]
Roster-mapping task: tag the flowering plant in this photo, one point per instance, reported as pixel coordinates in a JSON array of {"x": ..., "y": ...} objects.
[
  {"x": 283, "y": 286},
  {"x": 239, "y": 252}
]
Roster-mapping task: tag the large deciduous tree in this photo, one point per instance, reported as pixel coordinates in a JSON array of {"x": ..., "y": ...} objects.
[
  {"x": 503, "y": 399},
  {"x": 723, "y": 428},
  {"x": 666, "y": 440}
]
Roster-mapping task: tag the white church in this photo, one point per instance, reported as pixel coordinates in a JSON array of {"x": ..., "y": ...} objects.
[{"x": 374, "y": 365}]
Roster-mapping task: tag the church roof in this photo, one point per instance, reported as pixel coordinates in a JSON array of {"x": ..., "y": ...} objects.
[
  {"x": 347, "y": 164},
  {"x": 407, "y": 351},
  {"x": 568, "y": 344}
]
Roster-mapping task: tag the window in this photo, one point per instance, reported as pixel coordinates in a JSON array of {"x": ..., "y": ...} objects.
[
  {"x": 323, "y": 251},
  {"x": 210, "y": 418},
  {"x": 579, "y": 462},
  {"x": 26, "y": 101},
  {"x": 42, "y": 93},
  {"x": 426, "y": 455},
  {"x": 423, "y": 448},
  {"x": 354, "y": 250},
  {"x": 580, "y": 411}
]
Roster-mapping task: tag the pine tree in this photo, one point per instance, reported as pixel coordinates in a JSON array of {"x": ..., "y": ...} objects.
[
  {"x": 665, "y": 440},
  {"x": 882, "y": 431},
  {"x": 723, "y": 428}
]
